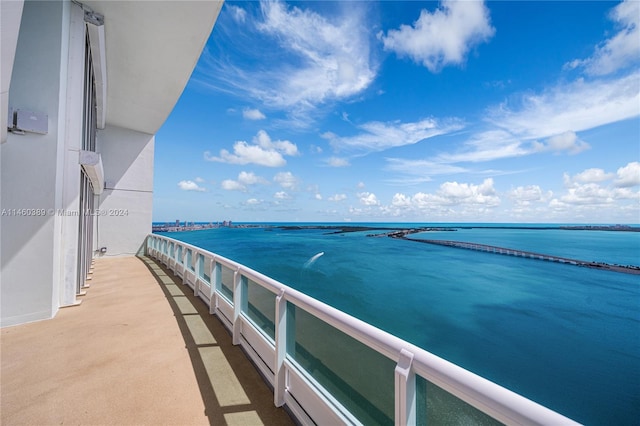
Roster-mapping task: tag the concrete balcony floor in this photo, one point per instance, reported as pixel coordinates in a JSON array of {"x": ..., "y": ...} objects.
[{"x": 140, "y": 349}]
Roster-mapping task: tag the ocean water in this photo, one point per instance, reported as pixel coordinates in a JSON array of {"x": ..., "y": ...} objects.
[{"x": 564, "y": 336}]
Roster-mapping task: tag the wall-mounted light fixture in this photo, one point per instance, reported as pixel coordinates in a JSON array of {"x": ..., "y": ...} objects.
[
  {"x": 91, "y": 162},
  {"x": 20, "y": 121}
]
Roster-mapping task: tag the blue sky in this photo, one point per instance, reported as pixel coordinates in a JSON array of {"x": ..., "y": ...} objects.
[{"x": 502, "y": 111}]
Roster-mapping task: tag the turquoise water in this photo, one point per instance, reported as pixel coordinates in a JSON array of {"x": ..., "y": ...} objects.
[{"x": 567, "y": 337}]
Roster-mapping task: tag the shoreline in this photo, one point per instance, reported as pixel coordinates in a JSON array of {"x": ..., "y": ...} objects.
[
  {"x": 359, "y": 228},
  {"x": 402, "y": 233}
]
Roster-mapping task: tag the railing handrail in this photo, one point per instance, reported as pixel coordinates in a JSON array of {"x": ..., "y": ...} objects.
[{"x": 487, "y": 396}]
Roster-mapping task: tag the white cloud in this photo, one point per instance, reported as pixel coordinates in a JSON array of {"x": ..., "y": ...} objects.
[
  {"x": 470, "y": 194},
  {"x": 189, "y": 185},
  {"x": 286, "y": 180},
  {"x": 591, "y": 199},
  {"x": 253, "y": 114},
  {"x": 232, "y": 185},
  {"x": 547, "y": 121},
  {"x": 628, "y": 175},
  {"x": 572, "y": 107},
  {"x": 368, "y": 199},
  {"x": 625, "y": 177},
  {"x": 253, "y": 201},
  {"x": 238, "y": 14},
  {"x": 333, "y": 55},
  {"x": 497, "y": 144},
  {"x": 628, "y": 194},
  {"x": 338, "y": 197},
  {"x": 482, "y": 198},
  {"x": 592, "y": 175},
  {"x": 263, "y": 139},
  {"x": 318, "y": 197},
  {"x": 199, "y": 180},
  {"x": 249, "y": 178},
  {"x": 525, "y": 196},
  {"x": 401, "y": 200},
  {"x": 424, "y": 169},
  {"x": 567, "y": 141},
  {"x": 622, "y": 49},
  {"x": 485, "y": 146},
  {"x": 589, "y": 193},
  {"x": 469, "y": 201},
  {"x": 443, "y": 37},
  {"x": 337, "y": 162},
  {"x": 243, "y": 153},
  {"x": 586, "y": 192},
  {"x": 306, "y": 59},
  {"x": 379, "y": 136},
  {"x": 244, "y": 180},
  {"x": 281, "y": 195},
  {"x": 263, "y": 152}
]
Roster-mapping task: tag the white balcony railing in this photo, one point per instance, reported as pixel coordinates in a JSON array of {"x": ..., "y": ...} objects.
[{"x": 331, "y": 368}]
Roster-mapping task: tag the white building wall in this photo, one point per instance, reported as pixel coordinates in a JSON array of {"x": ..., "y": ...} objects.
[
  {"x": 126, "y": 204},
  {"x": 40, "y": 174},
  {"x": 31, "y": 168},
  {"x": 10, "y": 16}
]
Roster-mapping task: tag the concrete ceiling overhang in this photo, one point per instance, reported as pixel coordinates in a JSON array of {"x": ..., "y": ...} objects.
[{"x": 151, "y": 48}]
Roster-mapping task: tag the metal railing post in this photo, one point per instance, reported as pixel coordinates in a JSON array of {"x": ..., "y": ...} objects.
[
  {"x": 207, "y": 265},
  {"x": 279, "y": 380},
  {"x": 198, "y": 273},
  {"x": 237, "y": 305},
  {"x": 405, "y": 390},
  {"x": 185, "y": 267},
  {"x": 216, "y": 284}
]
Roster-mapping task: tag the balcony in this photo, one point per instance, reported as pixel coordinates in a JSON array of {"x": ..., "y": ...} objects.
[
  {"x": 144, "y": 348},
  {"x": 328, "y": 367},
  {"x": 140, "y": 350}
]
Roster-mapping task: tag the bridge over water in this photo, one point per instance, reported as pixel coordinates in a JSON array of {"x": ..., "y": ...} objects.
[{"x": 630, "y": 269}]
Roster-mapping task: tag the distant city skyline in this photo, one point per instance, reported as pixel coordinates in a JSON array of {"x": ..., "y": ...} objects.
[{"x": 409, "y": 112}]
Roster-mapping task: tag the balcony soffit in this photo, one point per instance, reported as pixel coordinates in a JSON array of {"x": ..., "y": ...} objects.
[{"x": 152, "y": 48}]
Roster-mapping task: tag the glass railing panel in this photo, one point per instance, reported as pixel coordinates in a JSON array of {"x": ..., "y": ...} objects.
[
  {"x": 200, "y": 263},
  {"x": 435, "y": 406},
  {"x": 179, "y": 257},
  {"x": 226, "y": 284},
  {"x": 190, "y": 260},
  {"x": 358, "y": 377},
  {"x": 261, "y": 308},
  {"x": 172, "y": 250}
]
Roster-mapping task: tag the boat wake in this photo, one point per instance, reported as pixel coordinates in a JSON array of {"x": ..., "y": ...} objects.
[{"x": 312, "y": 260}]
